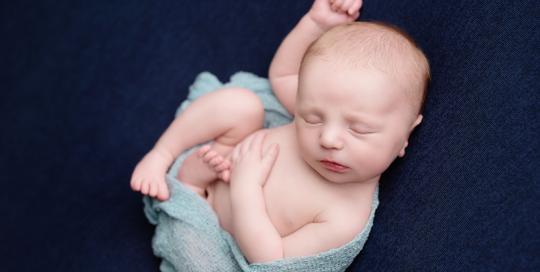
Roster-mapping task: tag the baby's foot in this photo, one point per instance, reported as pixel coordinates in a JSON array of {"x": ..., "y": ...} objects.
[
  {"x": 149, "y": 176},
  {"x": 216, "y": 162},
  {"x": 202, "y": 167}
]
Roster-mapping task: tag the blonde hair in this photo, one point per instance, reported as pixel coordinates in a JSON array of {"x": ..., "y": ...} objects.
[{"x": 380, "y": 46}]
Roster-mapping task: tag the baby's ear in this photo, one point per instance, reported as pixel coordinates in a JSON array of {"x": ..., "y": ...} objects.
[{"x": 416, "y": 123}]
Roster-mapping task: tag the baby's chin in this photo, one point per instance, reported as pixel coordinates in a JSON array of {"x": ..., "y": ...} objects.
[
  {"x": 343, "y": 177},
  {"x": 340, "y": 179}
]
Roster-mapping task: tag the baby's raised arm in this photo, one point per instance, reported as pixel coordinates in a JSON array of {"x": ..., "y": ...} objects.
[{"x": 284, "y": 69}]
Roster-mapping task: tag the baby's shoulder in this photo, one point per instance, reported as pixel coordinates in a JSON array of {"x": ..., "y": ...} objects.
[
  {"x": 284, "y": 136},
  {"x": 281, "y": 130}
]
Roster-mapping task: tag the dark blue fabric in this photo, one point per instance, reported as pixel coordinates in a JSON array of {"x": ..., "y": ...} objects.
[{"x": 87, "y": 87}]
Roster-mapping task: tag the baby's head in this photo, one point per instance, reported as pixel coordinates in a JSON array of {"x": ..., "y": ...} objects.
[
  {"x": 361, "y": 92},
  {"x": 376, "y": 46}
]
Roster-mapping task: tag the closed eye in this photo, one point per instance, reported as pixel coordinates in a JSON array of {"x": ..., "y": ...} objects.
[
  {"x": 312, "y": 120},
  {"x": 360, "y": 131}
]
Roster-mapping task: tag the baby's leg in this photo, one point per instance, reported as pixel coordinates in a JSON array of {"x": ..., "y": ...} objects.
[
  {"x": 226, "y": 116},
  {"x": 241, "y": 115},
  {"x": 200, "y": 168}
]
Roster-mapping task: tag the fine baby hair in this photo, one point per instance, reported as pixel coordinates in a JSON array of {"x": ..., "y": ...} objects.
[{"x": 377, "y": 45}]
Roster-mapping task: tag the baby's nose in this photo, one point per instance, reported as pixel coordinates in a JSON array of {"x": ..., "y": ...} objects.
[{"x": 330, "y": 139}]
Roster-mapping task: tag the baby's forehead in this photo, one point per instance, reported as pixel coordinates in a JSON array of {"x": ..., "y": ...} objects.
[
  {"x": 378, "y": 46},
  {"x": 334, "y": 84},
  {"x": 401, "y": 65}
]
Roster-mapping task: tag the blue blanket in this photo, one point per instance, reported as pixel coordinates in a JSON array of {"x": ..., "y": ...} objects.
[{"x": 188, "y": 236}]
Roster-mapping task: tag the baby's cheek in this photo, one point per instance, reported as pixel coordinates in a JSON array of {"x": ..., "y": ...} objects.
[{"x": 376, "y": 161}]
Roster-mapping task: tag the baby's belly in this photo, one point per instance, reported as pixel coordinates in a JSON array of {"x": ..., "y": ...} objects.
[{"x": 284, "y": 214}]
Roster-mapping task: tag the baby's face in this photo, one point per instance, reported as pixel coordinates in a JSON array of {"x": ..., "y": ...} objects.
[{"x": 350, "y": 124}]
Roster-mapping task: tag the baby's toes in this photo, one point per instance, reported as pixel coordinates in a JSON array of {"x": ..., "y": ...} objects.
[
  {"x": 163, "y": 193},
  {"x": 215, "y": 161},
  {"x": 136, "y": 184},
  {"x": 225, "y": 175},
  {"x": 203, "y": 150},
  {"x": 224, "y": 165},
  {"x": 153, "y": 189},
  {"x": 209, "y": 156},
  {"x": 145, "y": 187}
]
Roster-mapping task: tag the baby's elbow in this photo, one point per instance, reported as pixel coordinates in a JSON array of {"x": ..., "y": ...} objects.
[
  {"x": 266, "y": 256},
  {"x": 277, "y": 254}
]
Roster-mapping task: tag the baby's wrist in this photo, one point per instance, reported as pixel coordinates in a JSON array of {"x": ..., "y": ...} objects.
[
  {"x": 312, "y": 26},
  {"x": 243, "y": 185},
  {"x": 242, "y": 193}
]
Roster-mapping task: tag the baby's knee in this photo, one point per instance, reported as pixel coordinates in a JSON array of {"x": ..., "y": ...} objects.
[{"x": 245, "y": 104}]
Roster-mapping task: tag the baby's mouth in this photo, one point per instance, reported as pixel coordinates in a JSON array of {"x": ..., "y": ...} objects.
[{"x": 334, "y": 166}]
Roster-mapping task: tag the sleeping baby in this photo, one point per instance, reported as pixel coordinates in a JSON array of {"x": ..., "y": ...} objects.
[{"x": 356, "y": 90}]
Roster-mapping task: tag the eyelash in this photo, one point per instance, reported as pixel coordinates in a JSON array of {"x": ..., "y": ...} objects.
[
  {"x": 310, "y": 122},
  {"x": 360, "y": 132}
]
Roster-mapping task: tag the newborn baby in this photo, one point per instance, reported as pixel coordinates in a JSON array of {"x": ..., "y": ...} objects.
[{"x": 306, "y": 187}]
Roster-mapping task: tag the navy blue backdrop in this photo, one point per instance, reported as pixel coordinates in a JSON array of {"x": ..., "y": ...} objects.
[{"x": 87, "y": 87}]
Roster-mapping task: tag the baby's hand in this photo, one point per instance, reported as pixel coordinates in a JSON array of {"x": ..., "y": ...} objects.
[
  {"x": 248, "y": 162},
  {"x": 331, "y": 13},
  {"x": 148, "y": 179}
]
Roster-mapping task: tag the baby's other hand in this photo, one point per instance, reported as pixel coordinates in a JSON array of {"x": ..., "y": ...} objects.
[
  {"x": 331, "y": 13},
  {"x": 148, "y": 180},
  {"x": 249, "y": 164}
]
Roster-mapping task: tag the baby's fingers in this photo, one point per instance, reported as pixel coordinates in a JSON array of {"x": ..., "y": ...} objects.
[
  {"x": 337, "y": 4},
  {"x": 245, "y": 145},
  {"x": 258, "y": 141},
  {"x": 235, "y": 153},
  {"x": 255, "y": 143},
  {"x": 251, "y": 146},
  {"x": 350, "y": 7},
  {"x": 354, "y": 8},
  {"x": 271, "y": 154},
  {"x": 347, "y": 5}
]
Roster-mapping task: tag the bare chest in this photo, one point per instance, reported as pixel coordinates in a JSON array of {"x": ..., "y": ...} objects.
[{"x": 294, "y": 194}]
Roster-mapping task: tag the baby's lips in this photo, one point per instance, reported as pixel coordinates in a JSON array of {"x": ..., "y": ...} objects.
[{"x": 334, "y": 166}]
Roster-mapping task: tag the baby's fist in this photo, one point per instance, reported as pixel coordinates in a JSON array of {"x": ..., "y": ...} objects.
[{"x": 331, "y": 13}]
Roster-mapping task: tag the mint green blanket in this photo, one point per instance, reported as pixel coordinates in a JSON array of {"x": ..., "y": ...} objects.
[{"x": 188, "y": 236}]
